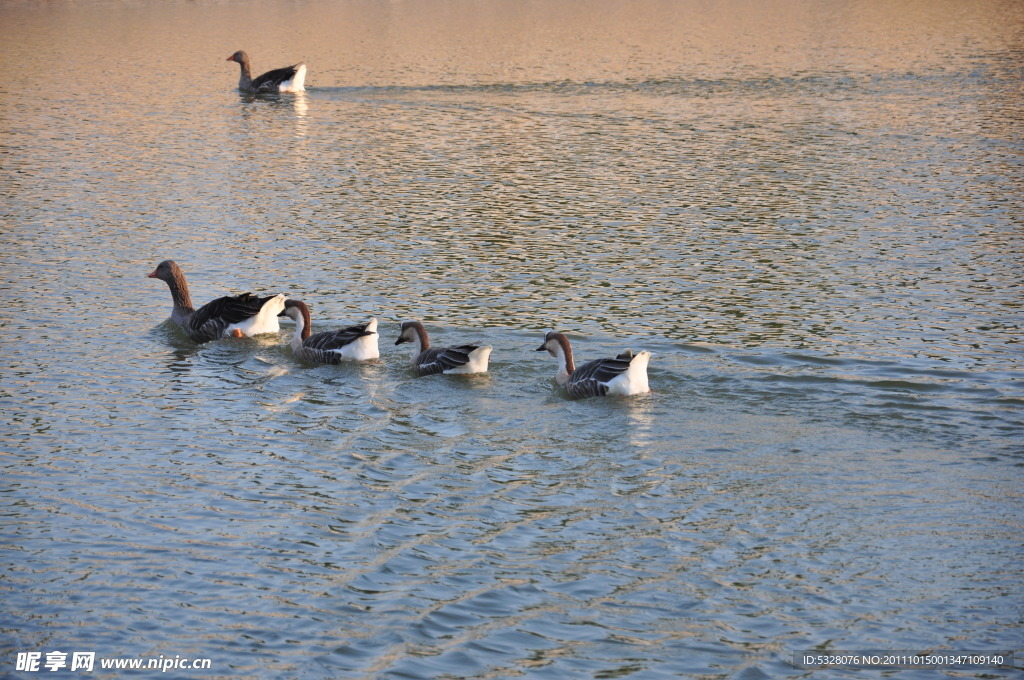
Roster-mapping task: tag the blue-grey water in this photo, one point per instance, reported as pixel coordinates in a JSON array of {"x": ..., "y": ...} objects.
[{"x": 811, "y": 213}]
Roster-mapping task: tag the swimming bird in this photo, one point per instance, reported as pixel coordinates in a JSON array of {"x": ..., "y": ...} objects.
[
  {"x": 287, "y": 79},
  {"x": 355, "y": 343},
  {"x": 429, "y": 360},
  {"x": 230, "y": 316},
  {"x": 624, "y": 375}
]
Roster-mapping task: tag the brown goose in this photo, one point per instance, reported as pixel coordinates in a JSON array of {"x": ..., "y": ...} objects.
[
  {"x": 287, "y": 79},
  {"x": 355, "y": 343},
  {"x": 230, "y": 316},
  {"x": 624, "y": 375},
  {"x": 429, "y": 360}
]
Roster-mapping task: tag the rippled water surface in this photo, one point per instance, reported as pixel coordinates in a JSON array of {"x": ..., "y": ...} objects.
[{"x": 810, "y": 213}]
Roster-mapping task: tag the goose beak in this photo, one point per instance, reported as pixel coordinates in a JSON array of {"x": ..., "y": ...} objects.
[
  {"x": 542, "y": 348},
  {"x": 151, "y": 275},
  {"x": 399, "y": 341},
  {"x": 231, "y": 58}
]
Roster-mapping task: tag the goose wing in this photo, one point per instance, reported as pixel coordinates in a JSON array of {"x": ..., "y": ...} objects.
[
  {"x": 592, "y": 378},
  {"x": 211, "y": 320},
  {"x": 271, "y": 80},
  {"x": 330, "y": 340},
  {"x": 441, "y": 359}
]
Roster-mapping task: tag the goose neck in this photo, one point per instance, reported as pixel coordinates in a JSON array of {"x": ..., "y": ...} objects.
[
  {"x": 179, "y": 292},
  {"x": 564, "y": 355},
  {"x": 421, "y": 336},
  {"x": 304, "y": 324},
  {"x": 298, "y": 311},
  {"x": 245, "y": 79}
]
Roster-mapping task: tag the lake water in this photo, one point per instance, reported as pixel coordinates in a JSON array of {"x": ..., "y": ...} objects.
[{"x": 809, "y": 212}]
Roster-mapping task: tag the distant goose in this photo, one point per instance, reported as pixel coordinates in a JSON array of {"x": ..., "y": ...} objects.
[
  {"x": 231, "y": 316},
  {"x": 287, "y": 79},
  {"x": 355, "y": 343},
  {"x": 430, "y": 360},
  {"x": 624, "y": 375}
]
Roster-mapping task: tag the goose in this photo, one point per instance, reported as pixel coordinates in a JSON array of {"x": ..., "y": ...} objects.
[
  {"x": 286, "y": 79},
  {"x": 230, "y": 316},
  {"x": 624, "y": 375},
  {"x": 429, "y": 360},
  {"x": 355, "y": 343}
]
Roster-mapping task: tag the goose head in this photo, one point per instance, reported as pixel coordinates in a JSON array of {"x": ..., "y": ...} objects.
[
  {"x": 168, "y": 271},
  {"x": 554, "y": 344},
  {"x": 412, "y": 331},
  {"x": 557, "y": 345},
  {"x": 296, "y": 310}
]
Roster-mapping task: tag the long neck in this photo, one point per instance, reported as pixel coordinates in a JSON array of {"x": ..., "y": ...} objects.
[
  {"x": 421, "y": 334},
  {"x": 299, "y": 313},
  {"x": 301, "y": 331},
  {"x": 179, "y": 293},
  {"x": 566, "y": 365},
  {"x": 245, "y": 80},
  {"x": 304, "y": 326}
]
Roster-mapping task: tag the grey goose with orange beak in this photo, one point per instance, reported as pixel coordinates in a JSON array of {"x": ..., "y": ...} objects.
[
  {"x": 286, "y": 79},
  {"x": 230, "y": 316}
]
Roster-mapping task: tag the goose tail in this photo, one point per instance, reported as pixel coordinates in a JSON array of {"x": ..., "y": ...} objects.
[{"x": 634, "y": 380}]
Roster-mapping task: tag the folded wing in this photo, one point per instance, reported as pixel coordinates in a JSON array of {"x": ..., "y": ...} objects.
[
  {"x": 441, "y": 359},
  {"x": 332, "y": 340},
  {"x": 271, "y": 80},
  {"x": 592, "y": 378},
  {"x": 211, "y": 320}
]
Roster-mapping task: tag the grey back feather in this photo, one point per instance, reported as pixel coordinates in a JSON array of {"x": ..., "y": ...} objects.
[
  {"x": 441, "y": 359},
  {"x": 321, "y": 348},
  {"x": 592, "y": 378}
]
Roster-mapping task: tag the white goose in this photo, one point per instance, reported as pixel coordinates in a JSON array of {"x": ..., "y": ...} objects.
[
  {"x": 429, "y": 360},
  {"x": 355, "y": 343},
  {"x": 286, "y": 79},
  {"x": 624, "y": 375},
  {"x": 231, "y": 316}
]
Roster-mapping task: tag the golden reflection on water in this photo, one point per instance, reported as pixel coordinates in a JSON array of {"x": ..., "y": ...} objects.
[
  {"x": 431, "y": 43},
  {"x": 441, "y": 42},
  {"x": 548, "y": 160}
]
